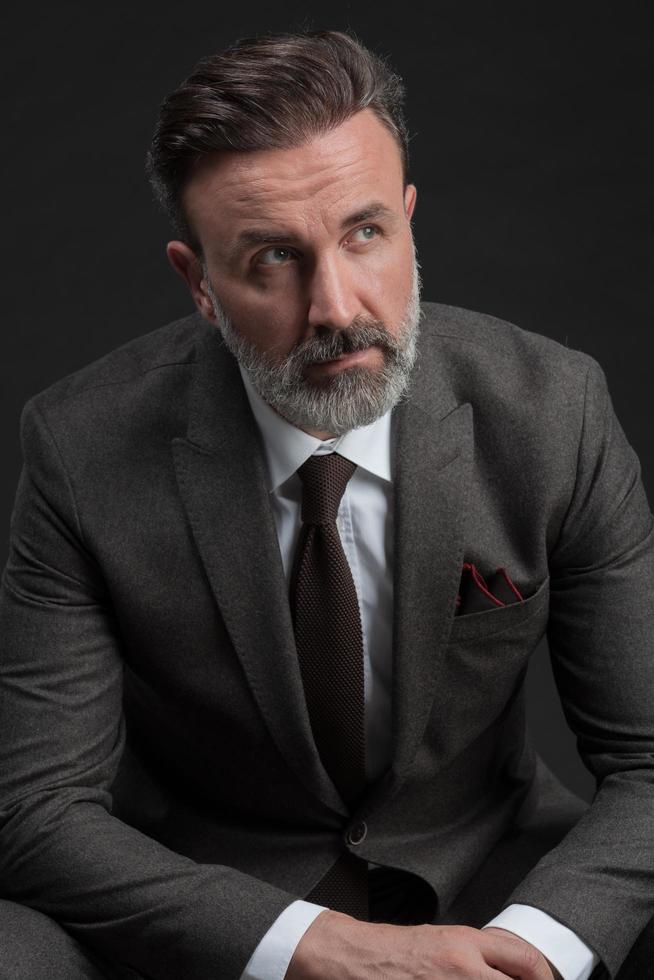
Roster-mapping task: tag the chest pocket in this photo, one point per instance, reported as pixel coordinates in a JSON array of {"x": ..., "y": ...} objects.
[{"x": 522, "y": 618}]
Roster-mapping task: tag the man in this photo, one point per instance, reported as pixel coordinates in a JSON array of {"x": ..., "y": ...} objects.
[{"x": 276, "y": 573}]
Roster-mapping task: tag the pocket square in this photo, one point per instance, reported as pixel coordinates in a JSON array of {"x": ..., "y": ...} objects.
[{"x": 477, "y": 593}]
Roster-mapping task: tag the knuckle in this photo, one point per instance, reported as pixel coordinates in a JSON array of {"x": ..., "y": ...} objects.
[
  {"x": 457, "y": 962},
  {"x": 451, "y": 957},
  {"x": 533, "y": 959},
  {"x": 457, "y": 953},
  {"x": 532, "y": 956}
]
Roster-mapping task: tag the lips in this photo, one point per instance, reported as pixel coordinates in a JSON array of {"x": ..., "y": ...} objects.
[
  {"x": 344, "y": 359},
  {"x": 354, "y": 355}
]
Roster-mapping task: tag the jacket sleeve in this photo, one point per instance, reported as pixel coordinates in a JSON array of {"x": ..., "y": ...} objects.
[
  {"x": 600, "y": 880},
  {"x": 61, "y": 738}
]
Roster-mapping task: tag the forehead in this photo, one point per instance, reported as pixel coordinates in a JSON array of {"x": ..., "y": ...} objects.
[{"x": 315, "y": 183}]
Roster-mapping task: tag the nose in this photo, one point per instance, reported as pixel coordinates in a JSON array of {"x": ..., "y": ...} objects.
[{"x": 333, "y": 301}]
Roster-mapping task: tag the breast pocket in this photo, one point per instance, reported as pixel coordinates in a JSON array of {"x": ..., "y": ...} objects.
[
  {"x": 482, "y": 669},
  {"x": 527, "y": 615}
]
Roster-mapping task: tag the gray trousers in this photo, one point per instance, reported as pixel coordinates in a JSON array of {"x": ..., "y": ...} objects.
[{"x": 34, "y": 947}]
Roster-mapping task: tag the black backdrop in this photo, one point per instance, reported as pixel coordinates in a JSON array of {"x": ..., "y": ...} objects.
[{"x": 531, "y": 148}]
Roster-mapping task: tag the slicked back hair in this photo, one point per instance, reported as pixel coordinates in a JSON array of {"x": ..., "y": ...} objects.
[{"x": 273, "y": 91}]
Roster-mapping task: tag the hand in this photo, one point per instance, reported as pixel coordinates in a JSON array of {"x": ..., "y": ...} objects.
[
  {"x": 338, "y": 947},
  {"x": 555, "y": 973}
]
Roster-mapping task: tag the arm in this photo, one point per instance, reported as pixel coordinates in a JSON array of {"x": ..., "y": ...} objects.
[
  {"x": 601, "y": 634},
  {"x": 61, "y": 739}
]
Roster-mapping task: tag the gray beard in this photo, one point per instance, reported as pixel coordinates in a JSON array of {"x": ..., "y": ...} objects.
[{"x": 354, "y": 396}]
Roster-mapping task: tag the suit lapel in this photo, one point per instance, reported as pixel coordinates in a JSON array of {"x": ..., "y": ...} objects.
[
  {"x": 433, "y": 461},
  {"x": 222, "y": 479}
]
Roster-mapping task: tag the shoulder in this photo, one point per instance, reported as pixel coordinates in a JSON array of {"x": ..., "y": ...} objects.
[
  {"x": 157, "y": 353},
  {"x": 138, "y": 391},
  {"x": 487, "y": 338},
  {"x": 487, "y": 358},
  {"x": 531, "y": 397}
]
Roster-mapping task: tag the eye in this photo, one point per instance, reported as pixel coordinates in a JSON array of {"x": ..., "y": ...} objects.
[
  {"x": 367, "y": 233},
  {"x": 277, "y": 255}
]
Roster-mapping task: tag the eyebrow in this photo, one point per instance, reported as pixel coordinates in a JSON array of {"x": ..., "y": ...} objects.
[{"x": 251, "y": 237}]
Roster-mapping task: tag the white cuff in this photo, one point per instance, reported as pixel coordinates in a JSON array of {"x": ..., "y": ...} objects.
[
  {"x": 561, "y": 946},
  {"x": 270, "y": 959}
]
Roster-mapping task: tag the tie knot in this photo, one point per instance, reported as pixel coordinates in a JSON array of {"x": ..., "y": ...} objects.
[{"x": 324, "y": 479}]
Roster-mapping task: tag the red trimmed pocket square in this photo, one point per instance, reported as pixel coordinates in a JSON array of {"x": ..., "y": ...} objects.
[{"x": 477, "y": 593}]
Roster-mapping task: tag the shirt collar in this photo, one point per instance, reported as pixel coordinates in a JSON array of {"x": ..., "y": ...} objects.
[{"x": 287, "y": 447}]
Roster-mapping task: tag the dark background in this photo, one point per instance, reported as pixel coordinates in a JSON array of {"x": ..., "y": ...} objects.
[{"x": 531, "y": 148}]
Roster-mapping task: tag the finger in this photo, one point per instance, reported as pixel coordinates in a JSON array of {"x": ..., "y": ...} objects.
[{"x": 515, "y": 957}]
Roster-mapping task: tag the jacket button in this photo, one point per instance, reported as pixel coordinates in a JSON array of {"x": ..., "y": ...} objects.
[{"x": 357, "y": 833}]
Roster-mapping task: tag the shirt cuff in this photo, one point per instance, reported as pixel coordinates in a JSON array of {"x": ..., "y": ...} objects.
[
  {"x": 270, "y": 959},
  {"x": 561, "y": 946}
]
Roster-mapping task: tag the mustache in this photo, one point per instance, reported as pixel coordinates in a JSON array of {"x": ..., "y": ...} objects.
[{"x": 358, "y": 336}]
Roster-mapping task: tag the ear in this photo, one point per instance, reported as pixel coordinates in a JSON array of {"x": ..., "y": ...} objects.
[
  {"x": 186, "y": 264},
  {"x": 410, "y": 195}
]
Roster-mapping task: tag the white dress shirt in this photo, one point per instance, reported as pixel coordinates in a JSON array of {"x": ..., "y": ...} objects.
[{"x": 365, "y": 525}]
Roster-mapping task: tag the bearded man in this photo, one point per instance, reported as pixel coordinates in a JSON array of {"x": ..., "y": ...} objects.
[{"x": 277, "y": 571}]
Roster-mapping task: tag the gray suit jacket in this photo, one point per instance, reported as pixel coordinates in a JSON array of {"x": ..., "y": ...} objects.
[{"x": 160, "y": 792}]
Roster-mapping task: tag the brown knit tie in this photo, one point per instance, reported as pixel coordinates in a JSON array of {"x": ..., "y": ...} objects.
[{"x": 329, "y": 643}]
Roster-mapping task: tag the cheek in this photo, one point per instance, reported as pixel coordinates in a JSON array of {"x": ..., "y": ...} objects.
[
  {"x": 265, "y": 318},
  {"x": 266, "y": 326},
  {"x": 388, "y": 286}
]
